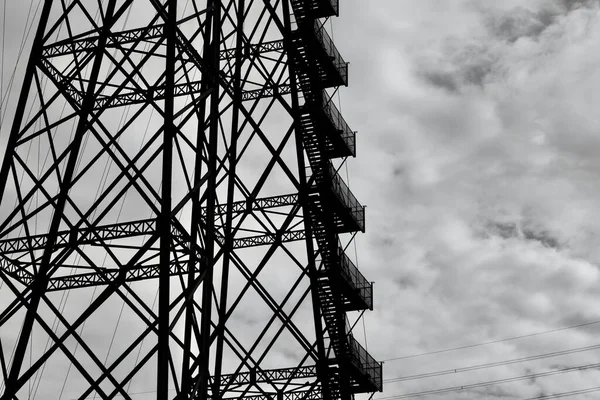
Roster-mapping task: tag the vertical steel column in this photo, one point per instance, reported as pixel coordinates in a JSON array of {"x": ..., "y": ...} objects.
[
  {"x": 212, "y": 61},
  {"x": 197, "y": 224},
  {"x": 232, "y": 157},
  {"x": 164, "y": 219}
]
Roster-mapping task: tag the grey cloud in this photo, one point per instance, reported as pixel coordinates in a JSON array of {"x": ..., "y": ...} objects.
[
  {"x": 462, "y": 62},
  {"x": 495, "y": 392},
  {"x": 464, "y": 71},
  {"x": 442, "y": 80},
  {"x": 520, "y": 22},
  {"x": 505, "y": 230},
  {"x": 541, "y": 236},
  {"x": 465, "y": 151},
  {"x": 476, "y": 73},
  {"x": 570, "y": 5},
  {"x": 583, "y": 319},
  {"x": 458, "y": 64},
  {"x": 529, "y": 231},
  {"x": 405, "y": 282}
]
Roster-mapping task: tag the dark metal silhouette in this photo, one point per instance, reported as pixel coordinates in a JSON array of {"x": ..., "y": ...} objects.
[{"x": 172, "y": 168}]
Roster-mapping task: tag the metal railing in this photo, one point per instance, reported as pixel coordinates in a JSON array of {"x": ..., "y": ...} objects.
[
  {"x": 335, "y": 5},
  {"x": 339, "y": 123},
  {"x": 346, "y": 197},
  {"x": 336, "y": 58},
  {"x": 365, "y": 363},
  {"x": 357, "y": 281},
  {"x": 341, "y": 191}
]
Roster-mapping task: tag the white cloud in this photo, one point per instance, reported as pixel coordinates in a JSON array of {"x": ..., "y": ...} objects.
[{"x": 483, "y": 222}]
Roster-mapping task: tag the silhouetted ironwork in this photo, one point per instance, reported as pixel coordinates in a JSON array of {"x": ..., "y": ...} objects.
[{"x": 173, "y": 167}]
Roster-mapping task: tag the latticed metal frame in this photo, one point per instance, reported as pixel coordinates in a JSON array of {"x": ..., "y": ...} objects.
[{"x": 167, "y": 116}]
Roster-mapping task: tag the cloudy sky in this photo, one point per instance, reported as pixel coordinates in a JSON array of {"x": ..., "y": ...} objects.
[{"x": 478, "y": 143}]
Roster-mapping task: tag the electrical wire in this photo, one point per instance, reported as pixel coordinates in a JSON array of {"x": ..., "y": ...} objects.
[
  {"x": 565, "y": 394},
  {"x": 493, "y": 364},
  {"x": 64, "y": 299},
  {"x": 134, "y": 393},
  {"x": 339, "y": 101},
  {"x": 493, "y": 382},
  {"x": 5, "y": 99},
  {"x": 493, "y": 341}
]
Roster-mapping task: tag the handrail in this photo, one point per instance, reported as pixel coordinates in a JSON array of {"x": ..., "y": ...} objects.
[
  {"x": 335, "y": 4},
  {"x": 336, "y": 58},
  {"x": 365, "y": 362},
  {"x": 340, "y": 124},
  {"x": 339, "y": 188},
  {"x": 345, "y": 195},
  {"x": 355, "y": 278}
]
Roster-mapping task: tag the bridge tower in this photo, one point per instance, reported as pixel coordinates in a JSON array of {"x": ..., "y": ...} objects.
[{"x": 173, "y": 221}]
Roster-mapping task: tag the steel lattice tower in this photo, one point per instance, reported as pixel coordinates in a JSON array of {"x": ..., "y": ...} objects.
[{"x": 172, "y": 219}]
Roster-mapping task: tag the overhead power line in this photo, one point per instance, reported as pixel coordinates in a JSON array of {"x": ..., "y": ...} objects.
[
  {"x": 493, "y": 382},
  {"x": 492, "y": 341},
  {"x": 492, "y": 364},
  {"x": 566, "y": 394}
]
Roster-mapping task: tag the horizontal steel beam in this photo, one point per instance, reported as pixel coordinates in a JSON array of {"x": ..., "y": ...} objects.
[
  {"x": 299, "y": 395},
  {"x": 118, "y": 39},
  {"x": 130, "y": 229},
  {"x": 136, "y": 273},
  {"x": 141, "y": 96},
  {"x": 256, "y": 204},
  {"x": 22, "y": 271},
  {"x": 145, "y": 96},
  {"x": 102, "y": 277},
  {"x": 253, "y": 49},
  {"x": 266, "y": 239},
  {"x": 268, "y": 375},
  {"x": 270, "y": 91},
  {"x": 80, "y": 236},
  {"x": 114, "y": 40},
  {"x": 183, "y": 89}
]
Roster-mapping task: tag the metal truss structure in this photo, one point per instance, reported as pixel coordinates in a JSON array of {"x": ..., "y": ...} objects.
[{"x": 172, "y": 219}]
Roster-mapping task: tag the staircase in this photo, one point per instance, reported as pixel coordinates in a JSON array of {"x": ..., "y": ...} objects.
[
  {"x": 323, "y": 116},
  {"x": 315, "y": 54},
  {"x": 332, "y": 209},
  {"x": 313, "y": 9}
]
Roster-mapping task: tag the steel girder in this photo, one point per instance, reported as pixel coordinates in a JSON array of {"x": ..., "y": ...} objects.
[{"x": 167, "y": 204}]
